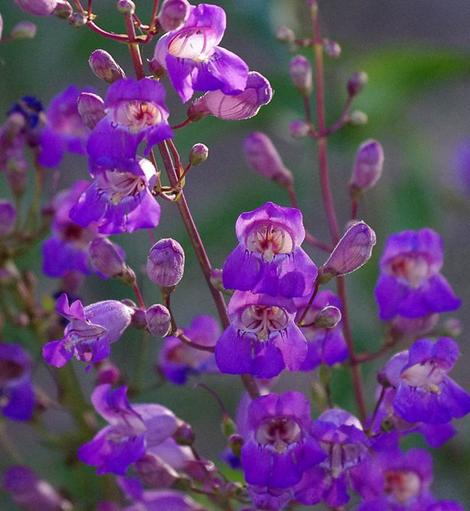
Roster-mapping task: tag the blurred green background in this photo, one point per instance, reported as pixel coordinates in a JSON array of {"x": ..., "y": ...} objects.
[{"x": 417, "y": 56}]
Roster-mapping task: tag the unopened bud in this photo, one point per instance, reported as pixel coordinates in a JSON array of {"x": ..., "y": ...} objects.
[
  {"x": 199, "y": 154},
  {"x": 37, "y": 7},
  {"x": 264, "y": 159},
  {"x": 91, "y": 109},
  {"x": 367, "y": 166},
  {"x": 353, "y": 250},
  {"x": 358, "y": 118},
  {"x": 328, "y": 317},
  {"x": 165, "y": 263},
  {"x": 154, "y": 472},
  {"x": 452, "y": 327},
  {"x": 184, "y": 435},
  {"x": 300, "y": 72},
  {"x": 173, "y": 14},
  {"x": 216, "y": 278},
  {"x": 357, "y": 82},
  {"x": 299, "y": 128},
  {"x": 78, "y": 19},
  {"x": 7, "y": 217},
  {"x": 158, "y": 319},
  {"x": 236, "y": 443},
  {"x": 107, "y": 258},
  {"x": 23, "y": 30},
  {"x": 125, "y": 6},
  {"x": 228, "y": 426},
  {"x": 105, "y": 67},
  {"x": 332, "y": 48},
  {"x": 107, "y": 373},
  {"x": 63, "y": 10},
  {"x": 285, "y": 34}
]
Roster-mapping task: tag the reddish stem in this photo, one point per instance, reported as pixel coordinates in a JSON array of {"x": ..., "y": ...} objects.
[
  {"x": 186, "y": 340},
  {"x": 182, "y": 124},
  {"x": 138, "y": 295}
]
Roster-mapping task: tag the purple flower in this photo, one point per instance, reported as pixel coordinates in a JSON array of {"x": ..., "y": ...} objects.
[
  {"x": 394, "y": 481},
  {"x": 65, "y": 130},
  {"x": 67, "y": 249},
  {"x": 17, "y": 399},
  {"x": 268, "y": 258},
  {"x": 461, "y": 166},
  {"x": 262, "y": 339},
  {"x": 7, "y": 217},
  {"x": 135, "y": 107},
  {"x": 325, "y": 345},
  {"x": 424, "y": 392},
  {"x": 32, "y": 493},
  {"x": 37, "y": 7},
  {"x": 272, "y": 499},
  {"x": 131, "y": 430},
  {"x": 194, "y": 61},
  {"x": 119, "y": 199},
  {"x": 235, "y": 106},
  {"x": 410, "y": 283},
  {"x": 90, "y": 332},
  {"x": 341, "y": 436},
  {"x": 177, "y": 361},
  {"x": 278, "y": 444}
]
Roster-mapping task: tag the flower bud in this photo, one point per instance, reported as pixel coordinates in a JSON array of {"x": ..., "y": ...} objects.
[
  {"x": 367, "y": 166},
  {"x": 165, "y": 263},
  {"x": 358, "y": 118},
  {"x": 264, "y": 159},
  {"x": 332, "y": 48},
  {"x": 78, "y": 19},
  {"x": 199, "y": 154},
  {"x": 105, "y": 67},
  {"x": 228, "y": 426},
  {"x": 285, "y": 34},
  {"x": 125, "y": 6},
  {"x": 107, "y": 258},
  {"x": 357, "y": 82},
  {"x": 1, "y": 26},
  {"x": 154, "y": 472},
  {"x": 299, "y": 128},
  {"x": 184, "y": 435},
  {"x": 216, "y": 279},
  {"x": 63, "y": 10},
  {"x": 401, "y": 326},
  {"x": 236, "y": 443},
  {"x": 300, "y": 72},
  {"x": 158, "y": 319},
  {"x": 23, "y": 30},
  {"x": 173, "y": 14},
  {"x": 37, "y": 7},
  {"x": 353, "y": 250},
  {"x": 328, "y": 317},
  {"x": 107, "y": 373},
  {"x": 7, "y": 217},
  {"x": 91, "y": 109},
  {"x": 452, "y": 327}
]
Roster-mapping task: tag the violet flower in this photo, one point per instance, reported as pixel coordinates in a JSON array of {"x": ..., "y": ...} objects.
[
  {"x": 17, "y": 399},
  {"x": 278, "y": 445},
  {"x": 325, "y": 345},
  {"x": 262, "y": 339},
  {"x": 177, "y": 361},
  {"x": 64, "y": 130},
  {"x": 424, "y": 392},
  {"x": 66, "y": 249},
  {"x": 130, "y": 431},
  {"x": 194, "y": 61},
  {"x": 410, "y": 283},
  {"x": 90, "y": 332},
  {"x": 268, "y": 258}
]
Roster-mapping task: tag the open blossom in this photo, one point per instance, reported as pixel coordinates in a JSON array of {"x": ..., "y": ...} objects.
[
  {"x": 17, "y": 399},
  {"x": 325, "y": 345},
  {"x": 136, "y": 107},
  {"x": 119, "y": 198},
  {"x": 341, "y": 436},
  {"x": 235, "y": 106},
  {"x": 177, "y": 361},
  {"x": 64, "y": 130},
  {"x": 262, "y": 338},
  {"x": 130, "y": 431},
  {"x": 90, "y": 332},
  {"x": 194, "y": 60},
  {"x": 410, "y": 283},
  {"x": 424, "y": 392},
  {"x": 268, "y": 258},
  {"x": 66, "y": 249},
  {"x": 278, "y": 444}
]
